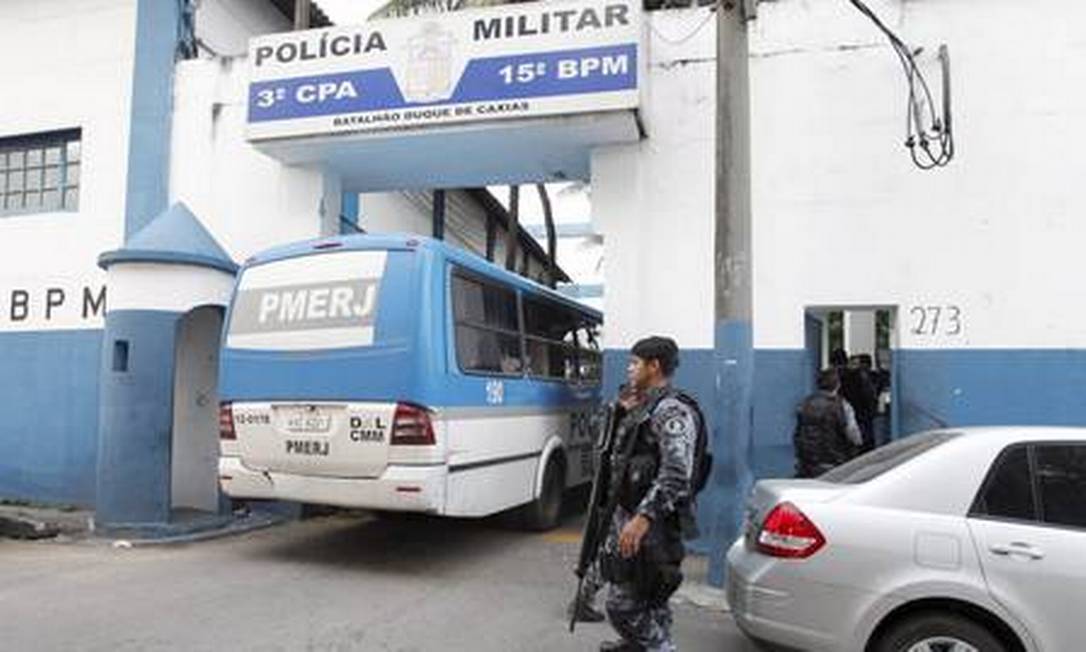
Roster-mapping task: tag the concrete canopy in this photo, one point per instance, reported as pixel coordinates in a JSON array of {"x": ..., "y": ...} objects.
[{"x": 492, "y": 153}]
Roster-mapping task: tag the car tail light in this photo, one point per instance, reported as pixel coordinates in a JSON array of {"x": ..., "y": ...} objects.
[
  {"x": 411, "y": 426},
  {"x": 226, "y": 422},
  {"x": 787, "y": 532}
]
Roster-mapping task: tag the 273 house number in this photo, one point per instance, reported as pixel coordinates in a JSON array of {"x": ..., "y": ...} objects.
[{"x": 935, "y": 320}]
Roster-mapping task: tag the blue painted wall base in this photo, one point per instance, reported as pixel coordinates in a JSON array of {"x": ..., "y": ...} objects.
[
  {"x": 49, "y": 399},
  {"x": 991, "y": 387},
  {"x": 782, "y": 378}
]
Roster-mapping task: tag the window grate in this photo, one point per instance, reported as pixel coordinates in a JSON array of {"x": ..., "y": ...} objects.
[{"x": 40, "y": 173}]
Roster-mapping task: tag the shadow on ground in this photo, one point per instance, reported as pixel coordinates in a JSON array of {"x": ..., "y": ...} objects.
[{"x": 409, "y": 544}]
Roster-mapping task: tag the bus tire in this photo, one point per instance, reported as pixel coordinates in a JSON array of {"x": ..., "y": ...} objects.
[{"x": 544, "y": 512}]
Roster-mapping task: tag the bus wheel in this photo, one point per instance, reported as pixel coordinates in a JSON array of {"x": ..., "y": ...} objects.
[{"x": 544, "y": 512}]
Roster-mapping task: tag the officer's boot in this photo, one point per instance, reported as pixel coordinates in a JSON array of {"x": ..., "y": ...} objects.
[{"x": 620, "y": 646}]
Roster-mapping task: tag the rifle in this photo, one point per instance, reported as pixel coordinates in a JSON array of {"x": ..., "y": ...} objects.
[{"x": 601, "y": 505}]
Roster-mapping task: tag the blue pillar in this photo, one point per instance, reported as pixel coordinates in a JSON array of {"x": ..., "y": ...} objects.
[
  {"x": 733, "y": 413},
  {"x": 157, "y": 31},
  {"x": 349, "y": 214},
  {"x": 136, "y": 418}
]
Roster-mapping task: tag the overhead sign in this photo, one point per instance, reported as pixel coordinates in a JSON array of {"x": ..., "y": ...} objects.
[{"x": 513, "y": 61}]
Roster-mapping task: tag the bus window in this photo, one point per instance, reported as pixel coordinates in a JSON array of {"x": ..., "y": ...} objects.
[
  {"x": 487, "y": 332},
  {"x": 589, "y": 359},
  {"x": 549, "y": 335}
]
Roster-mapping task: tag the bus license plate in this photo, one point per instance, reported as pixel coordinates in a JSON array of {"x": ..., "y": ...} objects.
[{"x": 308, "y": 421}]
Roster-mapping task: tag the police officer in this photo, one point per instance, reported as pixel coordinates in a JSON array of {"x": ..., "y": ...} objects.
[
  {"x": 654, "y": 448},
  {"x": 826, "y": 433},
  {"x": 583, "y": 607}
]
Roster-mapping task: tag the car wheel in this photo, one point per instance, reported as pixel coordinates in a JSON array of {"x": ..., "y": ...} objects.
[
  {"x": 938, "y": 632},
  {"x": 544, "y": 512}
]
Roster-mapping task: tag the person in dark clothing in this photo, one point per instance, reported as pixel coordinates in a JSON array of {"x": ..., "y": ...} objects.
[
  {"x": 583, "y": 608},
  {"x": 655, "y": 445},
  {"x": 880, "y": 378},
  {"x": 826, "y": 433},
  {"x": 858, "y": 388}
]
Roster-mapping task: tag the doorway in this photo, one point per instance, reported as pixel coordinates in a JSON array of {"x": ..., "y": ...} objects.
[
  {"x": 195, "y": 445},
  {"x": 867, "y": 337}
]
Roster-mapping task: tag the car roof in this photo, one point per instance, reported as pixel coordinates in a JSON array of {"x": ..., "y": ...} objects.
[{"x": 1003, "y": 435}]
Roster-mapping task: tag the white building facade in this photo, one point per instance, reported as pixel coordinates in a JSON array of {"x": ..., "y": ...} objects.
[{"x": 975, "y": 262}]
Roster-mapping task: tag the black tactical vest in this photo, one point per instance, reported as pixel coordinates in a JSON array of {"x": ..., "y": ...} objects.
[
  {"x": 642, "y": 466},
  {"x": 630, "y": 450},
  {"x": 819, "y": 438}
]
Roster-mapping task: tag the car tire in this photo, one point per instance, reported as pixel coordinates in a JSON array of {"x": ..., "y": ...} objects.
[
  {"x": 938, "y": 629},
  {"x": 545, "y": 512}
]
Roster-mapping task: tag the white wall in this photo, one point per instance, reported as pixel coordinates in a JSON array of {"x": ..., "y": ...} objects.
[
  {"x": 842, "y": 217},
  {"x": 653, "y": 201},
  {"x": 66, "y": 64},
  {"x": 246, "y": 199},
  {"x": 396, "y": 212},
  {"x": 225, "y": 26}
]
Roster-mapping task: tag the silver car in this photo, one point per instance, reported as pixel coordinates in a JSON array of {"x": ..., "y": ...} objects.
[{"x": 970, "y": 540}]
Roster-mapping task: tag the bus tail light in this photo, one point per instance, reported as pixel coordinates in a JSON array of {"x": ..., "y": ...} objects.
[
  {"x": 411, "y": 426},
  {"x": 226, "y": 422}
]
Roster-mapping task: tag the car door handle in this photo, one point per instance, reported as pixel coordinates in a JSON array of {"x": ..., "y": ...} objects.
[{"x": 1017, "y": 549}]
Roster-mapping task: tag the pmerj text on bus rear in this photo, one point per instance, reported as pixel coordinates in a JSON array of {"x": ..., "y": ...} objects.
[{"x": 400, "y": 373}]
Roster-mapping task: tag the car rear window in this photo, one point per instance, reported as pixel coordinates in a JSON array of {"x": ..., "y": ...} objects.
[{"x": 879, "y": 461}]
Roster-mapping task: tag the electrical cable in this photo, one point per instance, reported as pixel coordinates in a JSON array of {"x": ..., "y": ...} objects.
[
  {"x": 919, "y": 137},
  {"x": 692, "y": 34}
]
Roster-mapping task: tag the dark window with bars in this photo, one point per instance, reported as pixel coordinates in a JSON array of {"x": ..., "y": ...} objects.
[
  {"x": 40, "y": 173},
  {"x": 560, "y": 343},
  {"x": 487, "y": 329}
]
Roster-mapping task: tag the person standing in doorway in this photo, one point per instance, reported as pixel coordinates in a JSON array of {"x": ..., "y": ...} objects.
[
  {"x": 858, "y": 389},
  {"x": 826, "y": 433}
]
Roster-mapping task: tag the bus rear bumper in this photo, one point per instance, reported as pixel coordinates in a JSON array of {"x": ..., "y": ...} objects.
[{"x": 399, "y": 488}]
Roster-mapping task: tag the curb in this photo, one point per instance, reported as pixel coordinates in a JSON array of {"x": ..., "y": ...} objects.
[
  {"x": 703, "y": 596},
  {"x": 248, "y": 524},
  {"x": 24, "y": 528}
]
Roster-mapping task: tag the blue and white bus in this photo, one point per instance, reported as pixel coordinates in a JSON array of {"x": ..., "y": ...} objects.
[{"x": 400, "y": 373}]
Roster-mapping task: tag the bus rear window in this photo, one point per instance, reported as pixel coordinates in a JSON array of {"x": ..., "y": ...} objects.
[{"x": 324, "y": 301}]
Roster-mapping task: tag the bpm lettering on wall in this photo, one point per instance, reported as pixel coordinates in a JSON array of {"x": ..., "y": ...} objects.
[
  {"x": 514, "y": 61},
  {"x": 58, "y": 304}
]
